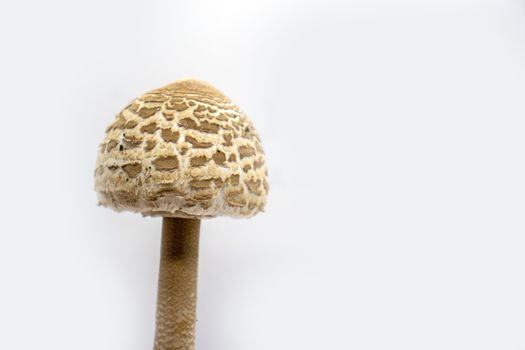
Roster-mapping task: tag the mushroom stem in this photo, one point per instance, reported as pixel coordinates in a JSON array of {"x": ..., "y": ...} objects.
[{"x": 177, "y": 292}]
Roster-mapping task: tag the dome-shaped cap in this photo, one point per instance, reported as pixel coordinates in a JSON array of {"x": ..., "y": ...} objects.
[{"x": 184, "y": 150}]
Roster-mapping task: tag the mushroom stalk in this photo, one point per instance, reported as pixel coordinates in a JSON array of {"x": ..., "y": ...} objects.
[{"x": 177, "y": 291}]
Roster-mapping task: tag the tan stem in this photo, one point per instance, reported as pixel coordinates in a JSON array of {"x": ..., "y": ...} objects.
[{"x": 177, "y": 294}]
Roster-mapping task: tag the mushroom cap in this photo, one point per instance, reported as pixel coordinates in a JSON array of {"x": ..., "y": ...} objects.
[{"x": 183, "y": 150}]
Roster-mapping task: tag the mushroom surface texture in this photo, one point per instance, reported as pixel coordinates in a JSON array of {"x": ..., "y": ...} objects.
[{"x": 183, "y": 150}]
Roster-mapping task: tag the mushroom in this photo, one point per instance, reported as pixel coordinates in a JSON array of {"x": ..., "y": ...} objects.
[{"x": 183, "y": 152}]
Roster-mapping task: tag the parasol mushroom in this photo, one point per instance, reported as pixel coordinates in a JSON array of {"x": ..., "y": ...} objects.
[{"x": 182, "y": 152}]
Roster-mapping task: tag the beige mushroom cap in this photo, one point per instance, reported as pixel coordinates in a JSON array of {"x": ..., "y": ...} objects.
[{"x": 184, "y": 150}]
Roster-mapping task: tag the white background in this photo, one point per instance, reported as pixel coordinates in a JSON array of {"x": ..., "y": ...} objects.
[{"x": 394, "y": 133}]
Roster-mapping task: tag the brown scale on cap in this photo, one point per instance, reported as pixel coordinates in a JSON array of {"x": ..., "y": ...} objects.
[{"x": 184, "y": 150}]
